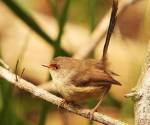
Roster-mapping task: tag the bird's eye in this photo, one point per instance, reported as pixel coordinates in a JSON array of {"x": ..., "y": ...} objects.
[{"x": 55, "y": 66}]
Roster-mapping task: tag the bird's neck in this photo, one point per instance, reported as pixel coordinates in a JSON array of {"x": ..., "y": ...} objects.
[{"x": 62, "y": 78}]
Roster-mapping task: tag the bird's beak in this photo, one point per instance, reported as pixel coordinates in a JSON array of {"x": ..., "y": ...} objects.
[
  {"x": 51, "y": 66},
  {"x": 47, "y": 66}
]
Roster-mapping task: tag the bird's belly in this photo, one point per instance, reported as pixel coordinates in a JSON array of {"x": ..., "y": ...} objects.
[{"x": 79, "y": 94}]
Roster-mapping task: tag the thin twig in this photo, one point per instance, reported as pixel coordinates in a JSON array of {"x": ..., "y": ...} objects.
[
  {"x": 100, "y": 31},
  {"x": 38, "y": 92},
  {"x": 16, "y": 69},
  {"x": 22, "y": 72}
]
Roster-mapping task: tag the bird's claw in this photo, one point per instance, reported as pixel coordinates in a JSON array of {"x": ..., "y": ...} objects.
[{"x": 62, "y": 102}]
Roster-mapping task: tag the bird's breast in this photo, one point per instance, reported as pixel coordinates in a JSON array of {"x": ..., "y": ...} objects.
[{"x": 73, "y": 93}]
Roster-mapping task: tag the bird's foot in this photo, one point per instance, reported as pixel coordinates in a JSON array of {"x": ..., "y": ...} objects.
[
  {"x": 62, "y": 102},
  {"x": 90, "y": 114}
]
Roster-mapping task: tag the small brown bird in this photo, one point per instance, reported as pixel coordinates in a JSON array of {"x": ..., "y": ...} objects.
[{"x": 79, "y": 80}]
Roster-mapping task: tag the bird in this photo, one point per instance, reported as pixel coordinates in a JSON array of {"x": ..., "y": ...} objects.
[{"x": 78, "y": 80}]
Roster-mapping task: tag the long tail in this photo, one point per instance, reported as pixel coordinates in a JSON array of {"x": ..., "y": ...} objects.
[{"x": 112, "y": 23}]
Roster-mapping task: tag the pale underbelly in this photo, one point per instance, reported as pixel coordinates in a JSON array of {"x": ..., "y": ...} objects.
[{"x": 79, "y": 94}]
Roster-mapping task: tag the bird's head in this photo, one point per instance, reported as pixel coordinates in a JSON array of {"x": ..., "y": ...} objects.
[{"x": 61, "y": 67}]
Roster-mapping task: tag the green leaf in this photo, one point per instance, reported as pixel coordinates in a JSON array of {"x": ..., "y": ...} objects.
[
  {"x": 54, "y": 8},
  {"x": 44, "y": 112},
  {"x": 62, "y": 17},
  {"x": 92, "y": 13}
]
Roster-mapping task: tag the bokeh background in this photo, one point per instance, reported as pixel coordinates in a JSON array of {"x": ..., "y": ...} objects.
[{"x": 70, "y": 24}]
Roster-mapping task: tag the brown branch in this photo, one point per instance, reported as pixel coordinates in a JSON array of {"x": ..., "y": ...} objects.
[
  {"x": 100, "y": 31},
  {"x": 43, "y": 94}
]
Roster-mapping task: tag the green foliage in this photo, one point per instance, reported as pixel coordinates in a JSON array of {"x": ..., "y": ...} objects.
[
  {"x": 7, "y": 112},
  {"x": 43, "y": 114},
  {"x": 29, "y": 20},
  {"x": 91, "y": 13},
  {"x": 61, "y": 18},
  {"x": 127, "y": 108},
  {"x": 112, "y": 101},
  {"x": 54, "y": 8}
]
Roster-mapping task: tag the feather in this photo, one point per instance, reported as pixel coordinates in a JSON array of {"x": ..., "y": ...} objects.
[{"x": 93, "y": 77}]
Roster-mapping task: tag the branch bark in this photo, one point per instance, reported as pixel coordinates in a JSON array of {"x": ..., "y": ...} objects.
[
  {"x": 43, "y": 94},
  {"x": 142, "y": 96},
  {"x": 99, "y": 33}
]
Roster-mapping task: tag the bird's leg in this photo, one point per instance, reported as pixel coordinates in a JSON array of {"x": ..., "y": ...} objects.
[
  {"x": 63, "y": 101},
  {"x": 106, "y": 89}
]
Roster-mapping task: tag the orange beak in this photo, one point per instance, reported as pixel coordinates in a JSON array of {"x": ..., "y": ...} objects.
[
  {"x": 47, "y": 66},
  {"x": 51, "y": 66}
]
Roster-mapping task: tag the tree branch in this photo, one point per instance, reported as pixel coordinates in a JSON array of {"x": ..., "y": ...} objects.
[
  {"x": 43, "y": 94},
  {"x": 142, "y": 90},
  {"x": 99, "y": 33}
]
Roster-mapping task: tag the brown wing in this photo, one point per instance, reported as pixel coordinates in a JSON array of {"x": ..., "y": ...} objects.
[{"x": 93, "y": 77}]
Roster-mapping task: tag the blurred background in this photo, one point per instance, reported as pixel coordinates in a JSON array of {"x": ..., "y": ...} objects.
[{"x": 35, "y": 31}]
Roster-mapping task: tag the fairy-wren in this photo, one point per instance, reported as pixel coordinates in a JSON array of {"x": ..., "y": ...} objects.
[{"x": 79, "y": 80}]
